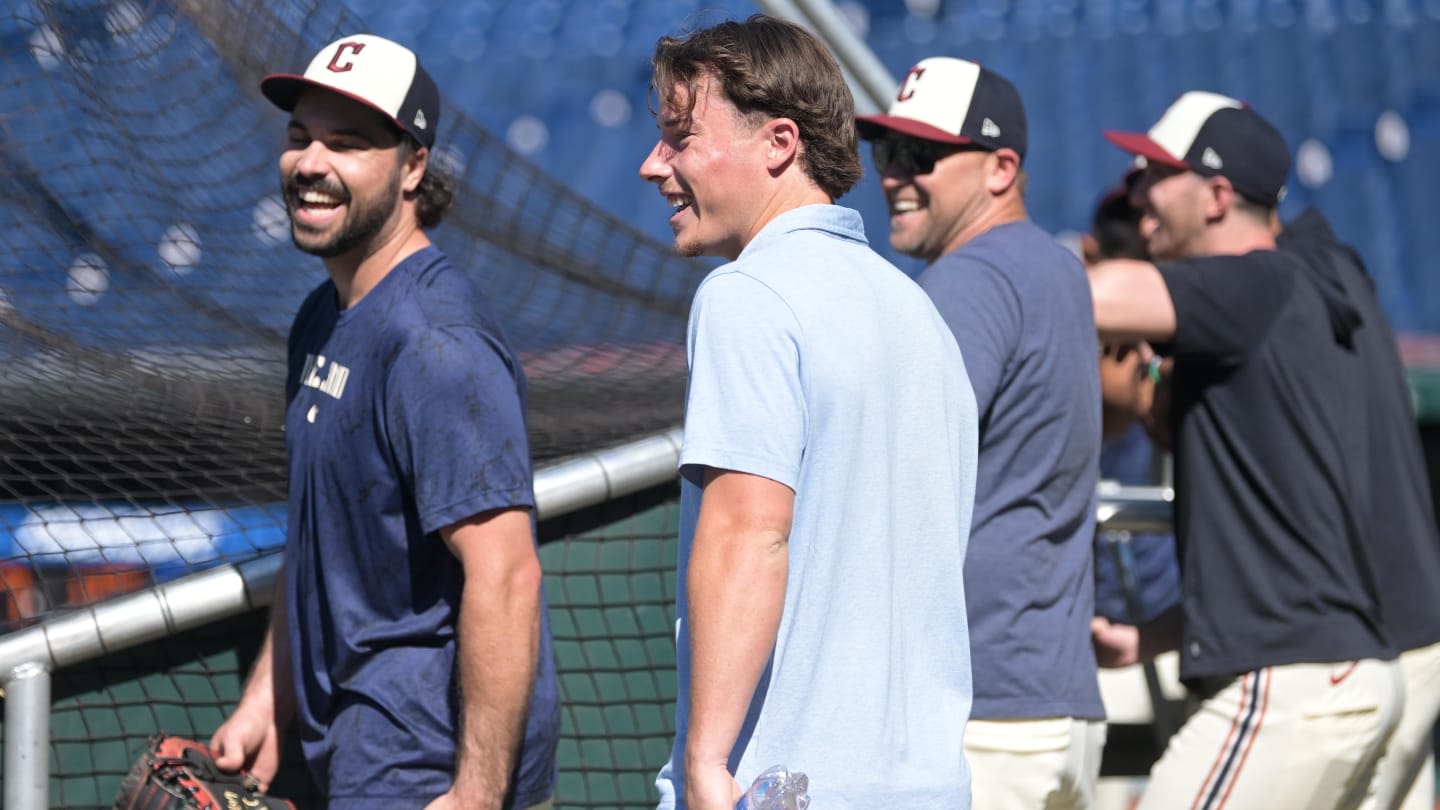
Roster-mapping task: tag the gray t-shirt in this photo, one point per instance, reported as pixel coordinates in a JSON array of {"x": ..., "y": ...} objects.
[
  {"x": 1019, "y": 305},
  {"x": 817, "y": 364}
]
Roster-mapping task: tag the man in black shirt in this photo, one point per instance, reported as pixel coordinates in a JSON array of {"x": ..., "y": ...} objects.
[{"x": 1278, "y": 628}]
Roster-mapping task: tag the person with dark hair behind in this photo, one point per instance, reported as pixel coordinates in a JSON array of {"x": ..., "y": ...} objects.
[
  {"x": 1128, "y": 378},
  {"x": 1115, "y": 228}
]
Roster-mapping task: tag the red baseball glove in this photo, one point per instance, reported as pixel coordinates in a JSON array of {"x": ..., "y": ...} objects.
[{"x": 179, "y": 774}]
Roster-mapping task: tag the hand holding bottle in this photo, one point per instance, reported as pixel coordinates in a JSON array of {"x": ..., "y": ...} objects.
[{"x": 777, "y": 789}]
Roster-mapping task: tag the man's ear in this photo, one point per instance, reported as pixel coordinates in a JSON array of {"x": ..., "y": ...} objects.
[
  {"x": 414, "y": 171},
  {"x": 1220, "y": 197},
  {"x": 1004, "y": 169},
  {"x": 782, "y": 138}
]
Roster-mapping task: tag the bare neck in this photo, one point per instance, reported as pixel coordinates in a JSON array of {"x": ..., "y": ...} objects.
[
  {"x": 1236, "y": 236},
  {"x": 356, "y": 273},
  {"x": 787, "y": 197},
  {"x": 1005, "y": 209}
]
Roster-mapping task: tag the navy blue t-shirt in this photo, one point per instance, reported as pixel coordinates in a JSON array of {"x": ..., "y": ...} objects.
[
  {"x": 1019, "y": 305},
  {"x": 405, "y": 415}
]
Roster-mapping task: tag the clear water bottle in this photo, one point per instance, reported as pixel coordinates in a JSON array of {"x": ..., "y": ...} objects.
[{"x": 777, "y": 789}]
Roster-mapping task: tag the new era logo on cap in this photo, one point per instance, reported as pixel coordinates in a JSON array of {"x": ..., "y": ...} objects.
[
  {"x": 374, "y": 71},
  {"x": 1216, "y": 135},
  {"x": 953, "y": 101}
]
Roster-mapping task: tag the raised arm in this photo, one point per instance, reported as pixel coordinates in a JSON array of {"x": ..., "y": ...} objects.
[{"x": 1131, "y": 301}]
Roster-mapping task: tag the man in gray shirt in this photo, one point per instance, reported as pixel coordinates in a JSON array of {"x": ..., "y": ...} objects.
[{"x": 949, "y": 153}]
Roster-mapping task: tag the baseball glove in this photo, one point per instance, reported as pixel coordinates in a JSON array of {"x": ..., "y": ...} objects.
[{"x": 179, "y": 774}]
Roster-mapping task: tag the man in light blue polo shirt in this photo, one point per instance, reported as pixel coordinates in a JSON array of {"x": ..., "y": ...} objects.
[{"x": 829, "y": 456}]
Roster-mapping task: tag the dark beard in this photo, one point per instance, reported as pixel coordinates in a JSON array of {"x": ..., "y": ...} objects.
[{"x": 360, "y": 227}]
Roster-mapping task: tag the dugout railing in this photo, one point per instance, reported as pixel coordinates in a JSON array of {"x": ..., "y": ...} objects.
[{"x": 29, "y": 657}]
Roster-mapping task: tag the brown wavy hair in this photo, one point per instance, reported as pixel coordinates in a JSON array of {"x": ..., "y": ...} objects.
[
  {"x": 769, "y": 68},
  {"x": 436, "y": 192}
]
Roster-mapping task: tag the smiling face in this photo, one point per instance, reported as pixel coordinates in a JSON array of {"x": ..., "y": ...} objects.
[
  {"x": 934, "y": 212},
  {"x": 343, "y": 175},
  {"x": 707, "y": 164},
  {"x": 1173, "y": 203}
]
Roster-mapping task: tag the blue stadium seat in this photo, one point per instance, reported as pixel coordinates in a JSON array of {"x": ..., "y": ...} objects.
[
  {"x": 1424, "y": 68},
  {"x": 84, "y": 183},
  {"x": 1415, "y": 202},
  {"x": 1276, "y": 57},
  {"x": 1360, "y": 201},
  {"x": 1361, "y": 74},
  {"x": 1321, "y": 70}
]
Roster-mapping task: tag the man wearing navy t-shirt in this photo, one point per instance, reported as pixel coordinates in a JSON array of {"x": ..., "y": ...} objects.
[
  {"x": 408, "y": 643},
  {"x": 1279, "y": 629}
]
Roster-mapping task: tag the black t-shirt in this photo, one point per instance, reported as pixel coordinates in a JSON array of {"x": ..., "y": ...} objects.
[
  {"x": 1400, "y": 523},
  {"x": 1271, "y": 468}
]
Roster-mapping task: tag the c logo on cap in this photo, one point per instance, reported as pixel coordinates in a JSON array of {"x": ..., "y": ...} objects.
[
  {"x": 336, "y": 66},
  {"x": 907, "y": 87}
]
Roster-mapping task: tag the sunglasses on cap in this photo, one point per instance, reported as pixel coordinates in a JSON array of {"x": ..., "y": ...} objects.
[{"x": 911, "y": 155}]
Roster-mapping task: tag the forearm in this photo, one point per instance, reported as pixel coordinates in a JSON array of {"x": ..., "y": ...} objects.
[
  {"x": 1131, "y": 301},
  {"x": 736, "y": 591},
  {"x": 250, "y": 738},
  {"x": 270, "y": 688},
  {"x": 499, "y": 643}
]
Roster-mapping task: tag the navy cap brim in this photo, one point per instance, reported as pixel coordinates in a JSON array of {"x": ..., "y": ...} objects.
[{"x": 282, "y": 89}]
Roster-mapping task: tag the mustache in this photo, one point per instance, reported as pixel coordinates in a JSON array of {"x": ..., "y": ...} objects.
[{"x": 294, "y": 185}]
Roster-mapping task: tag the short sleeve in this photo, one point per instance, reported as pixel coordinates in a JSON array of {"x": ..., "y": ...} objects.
[
  {"x": 457, "y": 426},
  {"x": 982, "y": 309},
  {"x": 745, "y": 404},
  {"x": 1225, "y": 305}
]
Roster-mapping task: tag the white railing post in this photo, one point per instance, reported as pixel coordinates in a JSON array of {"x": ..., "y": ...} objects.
[{"x": 27, "y": 737}]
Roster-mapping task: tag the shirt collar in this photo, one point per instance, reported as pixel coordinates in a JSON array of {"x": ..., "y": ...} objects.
[{"x": 836, "y": 220}]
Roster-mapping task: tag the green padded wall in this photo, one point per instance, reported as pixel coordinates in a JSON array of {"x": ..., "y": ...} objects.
[
  {"x": 610, "y": 581},
  {"x": 611, "y": 584}
]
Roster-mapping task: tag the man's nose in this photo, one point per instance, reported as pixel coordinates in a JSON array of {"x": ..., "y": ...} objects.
[{"x": 656, "y": 166}]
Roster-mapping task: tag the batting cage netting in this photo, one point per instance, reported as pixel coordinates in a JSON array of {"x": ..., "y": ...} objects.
[{"x": 147, "y": 282}]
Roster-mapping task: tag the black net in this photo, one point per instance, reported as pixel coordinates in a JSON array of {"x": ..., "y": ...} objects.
[
  {"x": 610, "y": 581},
  {"x": 147, "y": 282}
]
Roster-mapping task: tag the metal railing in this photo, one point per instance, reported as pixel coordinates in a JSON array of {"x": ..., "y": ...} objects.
[{"x": 28, "y": 656}]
